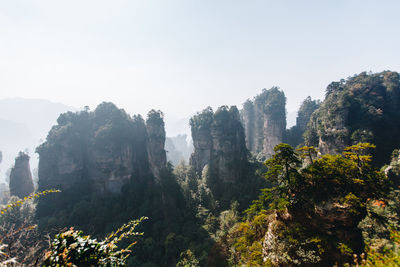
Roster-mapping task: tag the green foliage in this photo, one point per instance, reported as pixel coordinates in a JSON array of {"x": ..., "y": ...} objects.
[
  {"x": 20, "y": 241},
  {"x": 72, "y": 248},
  {"x": 283, "y": 164},
  {"x": 155, "y": 117},
  {"x": 202, "y": 120},
  {"x": 283, "y": 174},
  {"x": 312, "y": 211},
  {"x": 363, "y": 108},
  {"x": 308, "y": 153},
  {"x": 19, "y": 202},
  {"x": 220, "y": 143},
  {"x": 294, "y": 135},
  {"x": 388, "y": 256},
  {"x": 245, "y": 240},
  {"x": 273, "y": 102},
  {"x": 188, "y": 259},
  {"x": 83, "y": 154}
]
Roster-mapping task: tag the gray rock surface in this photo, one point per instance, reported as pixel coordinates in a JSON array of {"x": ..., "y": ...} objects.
[{"x": 21, "y": 184}]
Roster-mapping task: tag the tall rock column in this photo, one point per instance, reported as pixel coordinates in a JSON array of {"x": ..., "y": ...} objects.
[
  {"x": 156, "y": 142},
  {"x": 229, "y": 153},
  {"x": 219, "y": 142},
  {"x": 248, "y": 116},
  {"x": 220, "y": 154},
  {"x": 264, "y": 120},
  {"x": 202, "y": 140},
  {"x": 21, "y": 184}
]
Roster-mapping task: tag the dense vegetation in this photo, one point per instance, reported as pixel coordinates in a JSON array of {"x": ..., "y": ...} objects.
[
  {"x": 294, "y": 135},
  {"x": 264, "y": 121},
  {"x": 315, "y": 211},
  {"x": 91, "y": 146},
  {"x": 363, "y": 108}
]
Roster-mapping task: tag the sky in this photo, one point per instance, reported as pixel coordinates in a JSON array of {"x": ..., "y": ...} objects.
[{"x": 182, "y": 56}]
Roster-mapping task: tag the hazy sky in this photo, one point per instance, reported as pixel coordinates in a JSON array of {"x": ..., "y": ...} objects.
[{"x": 181, "y": 56}]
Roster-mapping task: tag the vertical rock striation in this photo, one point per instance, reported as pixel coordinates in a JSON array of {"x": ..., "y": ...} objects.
[
  {"x": 264, "y": 121},
  {"x": 202, "y": 139},
  {"x": 220, "y": 155},
  {"x": 294, "y": 135},
  {"x": 219, "y": 142},
  {"x": 156, "y": 142},
  {"x": 21, "y": 184},
  {"x": 101, "y": 149}
]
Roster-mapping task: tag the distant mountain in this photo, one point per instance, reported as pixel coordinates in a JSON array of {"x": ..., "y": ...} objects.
[
  {"x": 37, "y": 114},
  {"x": 24, "y": 124}
]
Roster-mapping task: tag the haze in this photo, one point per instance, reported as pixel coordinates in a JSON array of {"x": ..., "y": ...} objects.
[{"x": 181, "y": 56}]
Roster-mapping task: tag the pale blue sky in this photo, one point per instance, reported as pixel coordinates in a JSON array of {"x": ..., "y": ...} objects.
[{"x": 181, "y": 56}]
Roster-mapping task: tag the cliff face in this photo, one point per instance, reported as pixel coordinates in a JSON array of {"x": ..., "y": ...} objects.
[
  {"x": 294, "y": 135},
  {"x": 111, "y": 168},
  {"x": 363, "y": 108},
  {"x": 202, "y": 139},
  {"x": 219, "y": 142},
  {"x": 156, "y": 142},
  {"x": 101, "y": 148},
  {"x": 334, "y": 219},
  {"x": 21, "y": 184},
  {"x": 264, "y": 120},
  {"x": 220, "y": 153}
]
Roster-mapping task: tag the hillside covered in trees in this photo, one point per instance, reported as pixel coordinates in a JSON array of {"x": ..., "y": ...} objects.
[
  {"x": 253, "y": 193},
  {"x": 362, "y": 108}
]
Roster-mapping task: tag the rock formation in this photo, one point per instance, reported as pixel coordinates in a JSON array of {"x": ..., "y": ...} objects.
[
  {"x": 103, "y": 148},
  {"x": 219, "y": 142},
  {"x": 21, "y": 184},
  {"x": 335, "y": 220},
  {"x": 220, "y": 158},
  {"x": 202, "y": 139},
  {"x": 156, "y": 142},
  {"x": 294, "y": 135},
  {"x": 264, "y": 121},
  {"x": 363, "y": 108}
]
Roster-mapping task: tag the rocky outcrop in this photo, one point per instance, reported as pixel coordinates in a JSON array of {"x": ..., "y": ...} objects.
[
  {"x": 101, "y": 149},
  {"x": 202, "y": 139},
  {"x": 264, "y": 121},
  {"x": 156, "y": 142},
  {"x": 220, "y": 156},
  {"x": 21, "y": 184},
  {"x": 336, "y": 221},
  {"x": 219, "y": 142},
  {"x": 363, "y": 108},
  {"x": 294, "y": 135}
]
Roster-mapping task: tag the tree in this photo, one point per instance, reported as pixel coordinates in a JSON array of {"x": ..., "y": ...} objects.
[
  {"x": 283, "y": 164},
  {"x": 188, "y": 259},
  {"x": 315, "y": 209},
  {"x": 20, "y": 241},
  {"x": 72, "y": 248}
]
